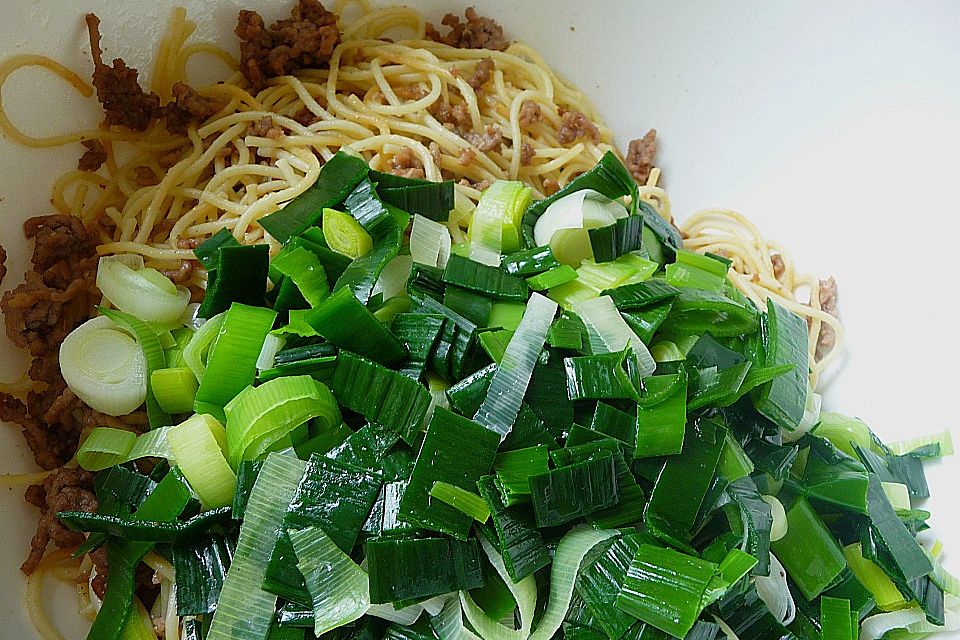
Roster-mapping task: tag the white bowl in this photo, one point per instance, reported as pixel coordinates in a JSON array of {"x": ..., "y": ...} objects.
[{"x": 833, "y": 125}]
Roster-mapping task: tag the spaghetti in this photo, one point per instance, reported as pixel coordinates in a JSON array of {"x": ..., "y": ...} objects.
[{"x": 383, "y": 95}]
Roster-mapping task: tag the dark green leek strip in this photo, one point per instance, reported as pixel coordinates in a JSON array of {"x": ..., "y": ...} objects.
[
  {"x": 419, "y": 333},
  {"x": 616, "y": 424},
  {"x": 281, "y": 575},
  {"x": 646, "y": 322},
  {"x": 307, "y": 352},
  {"x": 345, "y": 322},
  {"x": 288, "y": 297},
  {"x": 835, "y": 619},
  {"x": 547, "y": 393},
  {"x": 567, "y": 332},
  {"x": 528, "y": 431},
  {"x": 361, "y": 275},
  {"x": 529, "y": 262},
  {"x": 833, "y": 477},
  {"x": 553, "y": 278},
  {"x": 642, "y": 295},
  {"x": 696, "y": 312},
  {"x": 432, "y": 200},
  {"x": 783, "y": 399},
  {"x": 809, "y": 552},
  {"x": 333, "y": 263},
  {"x": 380, "y": 395},
  {"x": 207, "y": 252},
  {"x": 668, "y": 236},
  {"x": 683, "y": 482},
  {"x": 484, "y": 279},
  {"x": 661, "y": 425},
  {"x": 247, "y": 474},
  {"x": 457, "y": 451},
  {"x": 165, "y": 502},
  {"x": 425, "y": 281},
  {"x": 614, "y": 240},
  {"x": 471, "y": 305},
  {"x": 710, "y": 387},
  {"x": 200, "y": 568},
  {"x": 599, "y": 377},
  {"x": 338, "y": 176},
  {"x": 365, "y": 205},
  {"x": 366, "y": 448},
  {"x": 907, "y": 470},
  {"x": 750, "y": 618},
  {"x": 665, "y": 588},
  {"x": 142, "y": 530},
  {"x": 305, "y": 271},
  {"x": 574, "y": 491},
  {"x": 232, "y": 363},
  {"x": 407, "y": 568},
  {"x": 335, "y": 497},
  {"x": 320, "y": 369},
  {"x": 750, "y": 516},
  {"x": 240, "y": 276},
  {"x": 892, "y": 536},
  {"x": 756, "y": 377},
  {"x": 520, "y": 543},
  {"x": 467, "y": 395},
  {"x": 849, "y": 588},
  {"x": 600, "y": 582},
  {"x": 608, "y": 177},
  {"x": 632, "y": 500},
  {"x": 514, "y": 468},
  {"x": 451, "y": 358}
]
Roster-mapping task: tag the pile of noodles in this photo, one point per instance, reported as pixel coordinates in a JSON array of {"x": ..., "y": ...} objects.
[{"x": 220, "y": 175}]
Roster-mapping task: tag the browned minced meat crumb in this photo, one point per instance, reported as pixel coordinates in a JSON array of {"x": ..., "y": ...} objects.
[
  {"x": 476, "y": 33},
  {"x": 828, "y": 303},
  {"x": 489, "y": 140},
  {"x": 182, "y": 274},
  {"x": 264, "y": 128},
  {"x": 574, "y": 126},
  {"x": 779, "y": 267},
  {"x": 94, "y": 157},
  {"x": 406, "y": 164},
  {"x": 530, "y": 113},
  {"x": 550, "y": 186},
  {"x": 640, "y": 155},
  {"x": 188, "y": 105},
  {"x": 482, "y": 185},
  {"x": 467, "y": 156},
  {"x": 99, "y": 582},
  {"x": 124, "y": 101},
  {"x": 145, "y": 177},
  {"x": 453, "y": 117},
  {"x": 409, "y": 91},
  {"x": 526, "y": 153},
  {"x": 306, "y": 117},
  {"x": 3, "y": 263},
  {"x": 64, "y": 490},
  {"x": 481, "y": 74},
  {"x": 306, "y": 39}
]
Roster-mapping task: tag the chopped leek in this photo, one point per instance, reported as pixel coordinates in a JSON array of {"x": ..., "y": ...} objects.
[
  {"x": 144, "y": 293},
  {"x": 175, "y": 389},
  {"x": 495, "y": 225},
  {"x": 429, "y": 242},
  {"x": 104, "y": 367},
  {"x": 608, "y": 332},
  {"x": 460, "y": 499},
  {"x": 198, "y": 447},
  {"x": 345, "y": 235}
]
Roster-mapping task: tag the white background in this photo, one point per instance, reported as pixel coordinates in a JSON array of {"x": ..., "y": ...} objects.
[{"x": 833, "y": 125}]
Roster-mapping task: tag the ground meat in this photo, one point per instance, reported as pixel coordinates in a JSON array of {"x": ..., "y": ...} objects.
[
  {"x": 187, "y": 106},
  {"x": 481, "y": 74},
  {"x": 455, "y": 117},
  {"x": 779, "y": 267},
  {"x": 476, "y": 33},
  {"x": 574, "y": 126},
  {"x": 530, "y": 113},
  {"x": 640, "y": 155},
  {"x": 482, "y": 185},
  {"x": 467, "y": 156},
  {"x": 124, "y": 101},
  {"x": 489, "y": 140},
  {"x": 182, "y": 274},
  {"x": 306, "y": 117},
  {"x": 94, "y": 157},
  {"x": 64, "y": 490},
  {"x": 407, "y": 164},
  {"x": 145, "y": 177},
  {"x": 550, "y": 186},
  {"x": 526, "y": 153},
  {"x": 3, "y": 263},
  {"x": 99, "y": 582},
  {"x": 409, "y": 91},
  {"x": 828, "y": 303},
  {"x": 265, "y": 128},
  {"x": 306, "y": 39}
]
